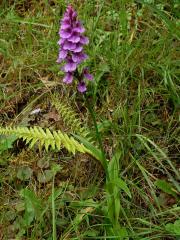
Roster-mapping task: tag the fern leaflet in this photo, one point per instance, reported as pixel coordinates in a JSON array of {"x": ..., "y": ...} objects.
[
  {"x": 70, "y": 118},
  {"x": 47, "y": 138}
]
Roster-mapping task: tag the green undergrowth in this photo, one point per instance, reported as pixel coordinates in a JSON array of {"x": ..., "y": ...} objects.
[{"x": 56, "y": 182}]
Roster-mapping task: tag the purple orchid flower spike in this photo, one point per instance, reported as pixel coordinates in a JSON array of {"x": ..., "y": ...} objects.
[{"x": 71, "y": 50}]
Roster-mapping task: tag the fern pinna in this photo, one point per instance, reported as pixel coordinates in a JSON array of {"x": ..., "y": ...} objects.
[
  {"x": 70, "y": 118},
  {"x": 46, "y": 138}
]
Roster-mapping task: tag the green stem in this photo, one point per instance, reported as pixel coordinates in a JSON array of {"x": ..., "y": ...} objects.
[{"x": 98, "y": 135}]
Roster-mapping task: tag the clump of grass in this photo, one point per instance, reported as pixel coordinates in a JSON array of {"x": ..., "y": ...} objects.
[{"x": 133, "y": 56}]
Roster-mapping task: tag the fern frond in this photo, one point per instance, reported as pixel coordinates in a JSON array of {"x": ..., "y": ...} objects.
[
  {"x": 46, "y": 138},
  {"x": 70, "y": 118}
]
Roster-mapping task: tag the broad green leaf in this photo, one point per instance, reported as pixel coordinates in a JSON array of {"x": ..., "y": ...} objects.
[
  {"x": 55, "y": 168},
  {"x": 6, "y": 142},
  {"x": 173, "y": 227},
  {"x": 113, "y": 166},
  {"x": 24, "y": 173},
  {"x": 32, "y": 206},
  {"x": 95, "y": 152},
  {"x": 177, "y": 227},
  {"x": 121, "y": 184},
  {"x": 45, "y": 176},
  {"x": 165, "y": 187}
]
